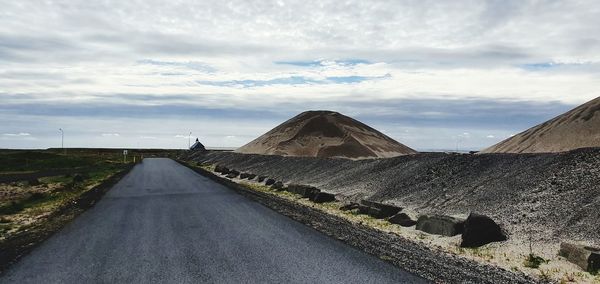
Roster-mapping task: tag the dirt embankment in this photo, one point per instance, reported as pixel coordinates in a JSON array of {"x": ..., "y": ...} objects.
[
  {"x": 432, "y": 264},
  {"x": 550, "y": 197}
]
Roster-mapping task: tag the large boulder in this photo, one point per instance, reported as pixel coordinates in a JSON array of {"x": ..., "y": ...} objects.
[
  {"x": 322, "y": 197},
  {"x": 244, "y": 175},
  {"x": 270, "y": 181},
  {"x": 371, "y": 211},
  {"x": 261, "y": 178},
  {"x": 349, "y": 206},
  {"x": 305, "y": 191},
  {"x": 221, "y": 169},
  {"x": 277, "y": 186},
  {"x": 218, "y": 168},
  {"x": 481, "y": 230},
  {"x": 251, "y": 176},
  {"x": 233, "y": 174},
  {"x": 440, "y": 225},
  {"x": 403, "y": 220},
  {"x": 362, "y": 209},
  {"x": 588, "y": 258},
  {"x": 375, "y": 213},
  {"x": 380, "y": 210}
]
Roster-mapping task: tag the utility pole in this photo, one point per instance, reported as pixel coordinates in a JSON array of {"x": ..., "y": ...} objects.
[
  {"x": 189, "y": 137},
  {"x": 62, "y": 140}
]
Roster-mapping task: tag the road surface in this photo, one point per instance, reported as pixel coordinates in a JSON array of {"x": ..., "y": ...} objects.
[{"x": 165, "y": 223}]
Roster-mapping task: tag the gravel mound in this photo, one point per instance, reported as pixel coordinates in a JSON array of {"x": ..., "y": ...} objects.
[
  {"x": 325, "y": 134},
  {"x": 552, "y": 196},
  {"x": 578, "y": 128}
]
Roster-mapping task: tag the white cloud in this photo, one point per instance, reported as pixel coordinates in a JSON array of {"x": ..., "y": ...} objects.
[
  {"x": 16, "y": 134},
  {"x": 490, "y": 136},
  {"x": 148, "y": 137},
  {"x": 141, "y": 54},
  {"x": 110, "y": 135}
]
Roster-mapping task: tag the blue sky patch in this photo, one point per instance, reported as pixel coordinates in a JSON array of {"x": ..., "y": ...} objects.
[
  {"x": 319, "y": 63},
  {"x": 292, "y": 80},
  {"x": 194, "y": 65}
]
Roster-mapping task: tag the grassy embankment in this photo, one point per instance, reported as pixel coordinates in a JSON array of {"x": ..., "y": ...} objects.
[{"x": 45, "y": 181}]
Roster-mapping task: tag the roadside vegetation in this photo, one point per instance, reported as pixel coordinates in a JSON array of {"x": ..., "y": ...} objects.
[{"x": 35, "y": 184}]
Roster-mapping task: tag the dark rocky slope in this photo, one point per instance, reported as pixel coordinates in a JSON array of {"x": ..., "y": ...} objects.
[{"x": 556, "y": 196}]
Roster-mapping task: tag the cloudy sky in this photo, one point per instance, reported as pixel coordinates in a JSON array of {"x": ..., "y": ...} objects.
[{"x": 431, "y": 74}]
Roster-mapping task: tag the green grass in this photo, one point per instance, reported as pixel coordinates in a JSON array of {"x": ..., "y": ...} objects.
[
  {"x": 16, "y": 161},
  {"x": 36, "y": 199},
  {"x": 24, "y": 161},
  {"x": 534, "y": 261},
  {"x": 11, "y": 207},
  {"x": 56, "y": 179},
  {"x": 55, "y": 191}
]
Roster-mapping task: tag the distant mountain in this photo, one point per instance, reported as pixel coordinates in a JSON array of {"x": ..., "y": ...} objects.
[
  {"x": 325, "y": 134},
  {"x": 578, "y": 128}
]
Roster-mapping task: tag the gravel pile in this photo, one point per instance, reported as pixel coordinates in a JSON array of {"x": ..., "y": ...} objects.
[{"x": 553, "y": 197}]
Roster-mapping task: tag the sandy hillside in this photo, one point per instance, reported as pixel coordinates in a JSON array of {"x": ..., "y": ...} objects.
[
  {"x": 325, "y": 134},
  {"x": 578, "y": 128}
]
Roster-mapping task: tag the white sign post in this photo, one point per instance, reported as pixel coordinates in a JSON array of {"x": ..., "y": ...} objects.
[{"x": 124, "y": 156}]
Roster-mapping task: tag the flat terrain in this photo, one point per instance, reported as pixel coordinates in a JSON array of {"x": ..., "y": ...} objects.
[{"x": 165, "y": 223}]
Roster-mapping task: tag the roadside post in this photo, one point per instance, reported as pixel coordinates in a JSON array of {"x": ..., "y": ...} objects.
[{"x": 124, "y": 156}]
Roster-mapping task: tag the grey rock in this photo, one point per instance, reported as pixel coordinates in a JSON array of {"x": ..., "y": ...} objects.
[
  {"x": 363, "y": 209},
  {"x": 218, "y": 168},
  {"x": 322, "y": 197},
  {"x": 481, "y": 230},
  {"x": 221, "y": 169},
  {"x": 350, "y": 206},
  {"x": 277, "y": 186},
  {"x": 382, "y": 210},
  {"x": 440, "y": 225},
  {"x": 233, "y": 174},
  {"x": 588, "y": 258},
  {"x": 305, "y": 191},
  {"x": 403, "y": 220}
]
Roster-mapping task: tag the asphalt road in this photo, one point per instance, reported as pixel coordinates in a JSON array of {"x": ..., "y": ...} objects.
[{"x": 165, "y": 223}]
